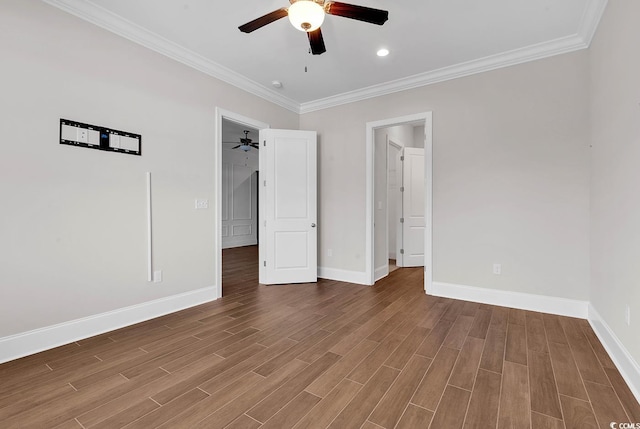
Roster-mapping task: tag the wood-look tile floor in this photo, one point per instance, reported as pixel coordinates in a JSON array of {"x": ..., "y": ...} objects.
[{"x": 323, "y": 355}]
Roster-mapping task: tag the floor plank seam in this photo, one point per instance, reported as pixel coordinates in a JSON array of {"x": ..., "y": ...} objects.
[
  {"x": 417, "y": 405},
  {"x": 254, "y": 372},
  {"x": 466, "y": 411},
  {"x": 344, "y": 406},
  {"x": 582, "y": 380},
  {"x": 526, "y": 366},
  {"x": 404, "y": 410},
  {"x": 448, "y": 378},
  {"x": 499, "y": 401},
  {"x": 491, "y": 371},
  {"x": 247, "y": 415},
  {"x": 203, "y": 391}
]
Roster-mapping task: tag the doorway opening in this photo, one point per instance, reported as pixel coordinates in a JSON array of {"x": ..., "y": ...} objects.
[
  {"x": 386, "y": 140},
  {"x": 236, "y": 218},
  {"x": 239, "y": 186}
]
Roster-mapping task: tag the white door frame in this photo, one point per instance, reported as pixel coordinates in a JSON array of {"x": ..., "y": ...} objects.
[
  {"x": 221, "y": 115},
  {"x": 395, "y": 201},
  {"x": 425, "y": 117}
]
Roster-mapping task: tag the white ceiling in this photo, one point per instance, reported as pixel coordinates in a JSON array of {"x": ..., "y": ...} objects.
[{"x": 429, "y": 40}]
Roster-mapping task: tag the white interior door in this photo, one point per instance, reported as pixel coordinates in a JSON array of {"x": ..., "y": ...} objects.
[
  {"x": 412, "y": 227},
  {"x": 393, "y": 194},
  {"x": 288, "y": 207}
]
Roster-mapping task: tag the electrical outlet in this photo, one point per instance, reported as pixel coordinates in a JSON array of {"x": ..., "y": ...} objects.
[
  {"x": 497, "y": 269},
  {"x": 157, "y": 276},
  {"x": 627, "y": 315},
  {"x": 202, "y": 204}
]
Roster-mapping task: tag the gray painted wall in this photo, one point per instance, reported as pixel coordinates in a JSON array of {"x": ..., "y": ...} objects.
[
  {"x": 510, "y": 176},
  {"x": 615, "y": 172},
  {"x": 73, "y": 226}
]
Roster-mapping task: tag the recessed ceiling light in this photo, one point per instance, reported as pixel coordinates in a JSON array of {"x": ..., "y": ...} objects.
[
  {"x": 276, "y": 84},
  {"x": 383, "y": 52}
]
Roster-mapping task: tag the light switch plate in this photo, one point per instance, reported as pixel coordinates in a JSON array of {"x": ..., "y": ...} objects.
[
  {"x": 202, "y": 204},
  {"x": 114, "y": 141},
  {"x": 83, "y": 135},
  {"x": 129, "y": 143}
]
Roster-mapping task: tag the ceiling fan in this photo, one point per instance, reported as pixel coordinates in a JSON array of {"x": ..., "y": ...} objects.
[
  {"x": 245, "y": 143},
  {"x": 308, "y": 15}
]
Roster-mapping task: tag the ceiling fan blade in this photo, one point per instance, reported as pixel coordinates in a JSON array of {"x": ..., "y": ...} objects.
[
  {"x": 361, "y": 13},
  {"x": 316, "y": 41},
  {"x": 236, "y": 147},
  {"x": 263, "y": 20},
  {"x": 255, "y": 145}
]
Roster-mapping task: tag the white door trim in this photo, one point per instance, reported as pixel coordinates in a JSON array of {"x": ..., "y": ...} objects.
[
  {"x": 397, "y": 202},
  {"x": 425, "y": 117},
  {"x": 222, "y": 114}
]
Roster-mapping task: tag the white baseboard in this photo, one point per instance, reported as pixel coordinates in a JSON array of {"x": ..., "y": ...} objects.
[
  {"x": 381, "y": 272},
  {"x": 27, "y": 343},
  {"x": 358, "y": 277},
  {"x": 239, "y": 243},
  {"x": 524, "y": 301},
  {"x": 628, "y": 367}
]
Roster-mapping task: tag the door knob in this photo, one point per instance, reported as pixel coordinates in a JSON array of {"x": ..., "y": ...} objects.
[{"x": 313, "y": 225}]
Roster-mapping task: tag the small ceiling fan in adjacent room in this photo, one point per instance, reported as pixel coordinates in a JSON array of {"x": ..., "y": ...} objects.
[
  {"x": 308, "y": 16},
  {"x": 245, "y": 143}
]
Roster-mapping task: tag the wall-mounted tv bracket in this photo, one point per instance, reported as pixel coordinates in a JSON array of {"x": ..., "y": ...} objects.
[{"x": 94, "y": 137}]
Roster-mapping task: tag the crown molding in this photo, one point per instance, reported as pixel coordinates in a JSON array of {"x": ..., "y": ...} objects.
[
  {"x": 530, "y": 53},
  {"x": 101, "y": 17},
  {"x": 581, "y": 40},
  {"x": 590, "y": 19}
]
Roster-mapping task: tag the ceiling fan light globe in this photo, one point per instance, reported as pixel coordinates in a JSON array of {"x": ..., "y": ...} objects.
[
  {"x": 306, "y": 15},
  {"x": 245, "y": 148}
]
